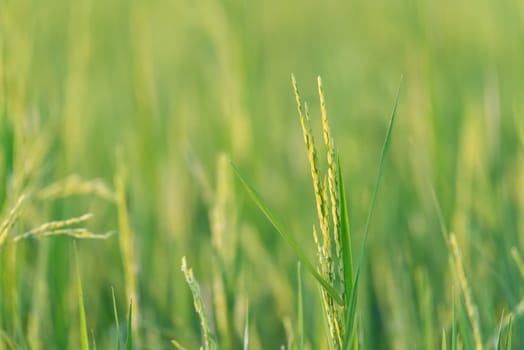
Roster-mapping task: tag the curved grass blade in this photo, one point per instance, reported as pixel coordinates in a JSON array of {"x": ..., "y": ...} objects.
[{"x": 287, "y": 237}]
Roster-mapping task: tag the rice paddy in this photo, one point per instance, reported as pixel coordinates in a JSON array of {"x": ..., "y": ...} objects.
[{"x": 165, "y": 184}]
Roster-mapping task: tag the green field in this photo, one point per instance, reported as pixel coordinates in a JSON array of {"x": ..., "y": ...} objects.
[{"x": 122, "y": 123}]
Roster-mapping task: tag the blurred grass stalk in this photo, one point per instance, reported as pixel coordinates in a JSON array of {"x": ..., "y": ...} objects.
[
  {"x": 127, "y": 247},
  {"x": 228, "y": 301}
]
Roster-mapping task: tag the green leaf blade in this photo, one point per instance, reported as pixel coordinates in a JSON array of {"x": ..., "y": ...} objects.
[
  {"x": 129, "y": 345},
  {"x": 346, "y": 238},
  {"x": 287, "y": 237},
  {"x": 84, "y": 338}
]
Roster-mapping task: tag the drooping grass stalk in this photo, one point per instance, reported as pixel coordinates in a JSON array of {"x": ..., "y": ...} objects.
[
  {"x": 81, "y": 233},
  {"x": 75, "y": 185},
  {"x": 10, "y": 220},
  {"x": 208, "y": 339},
  {"x": 54, "y": 225},
  {"x": 466, "y": 293},
  {"x": 56, "y": 228}
]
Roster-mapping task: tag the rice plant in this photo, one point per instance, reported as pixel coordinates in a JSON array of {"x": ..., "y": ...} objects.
[
  {"x": 334, "y": 271},
  {"x": 177, "y": 89}
]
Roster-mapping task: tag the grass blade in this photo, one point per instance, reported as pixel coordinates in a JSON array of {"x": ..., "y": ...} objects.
[
  {"x": 351, "y": 317},
  {"x": 454, "y": 342},
  {"x": 509, "y": 332},
  {"x": 94, "y": 339},
  {"x": 466, "y": 291},
  {"x": 346, "y": 237},
  {"x": 129, "y": 345},
  {"x": 177, "y": 345},
  {"x": 465, "y": 329},
  {"x": 349, "y": 296},
  {"x": 84, "y": 339},
  {"x": 287, "y": 237},
  {"x": 300, "y": 309},
  {"x": 246, "y": 328},
  {"x": 499, "y": 334},
  {"x": 383, "y": 154},
  {"x": 351, "y": 325},
  {"x": 116, "y": 319},
  {"x": 126, "y": 240}
]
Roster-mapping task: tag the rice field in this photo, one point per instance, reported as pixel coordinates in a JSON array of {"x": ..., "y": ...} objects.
[{"x": 261, "y": 175}]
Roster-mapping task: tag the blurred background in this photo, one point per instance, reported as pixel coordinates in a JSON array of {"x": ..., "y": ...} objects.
[{"x": 178, "y": 88}]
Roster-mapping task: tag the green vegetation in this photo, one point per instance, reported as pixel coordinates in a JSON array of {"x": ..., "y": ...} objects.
[{"x": 136, "y": 133}]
